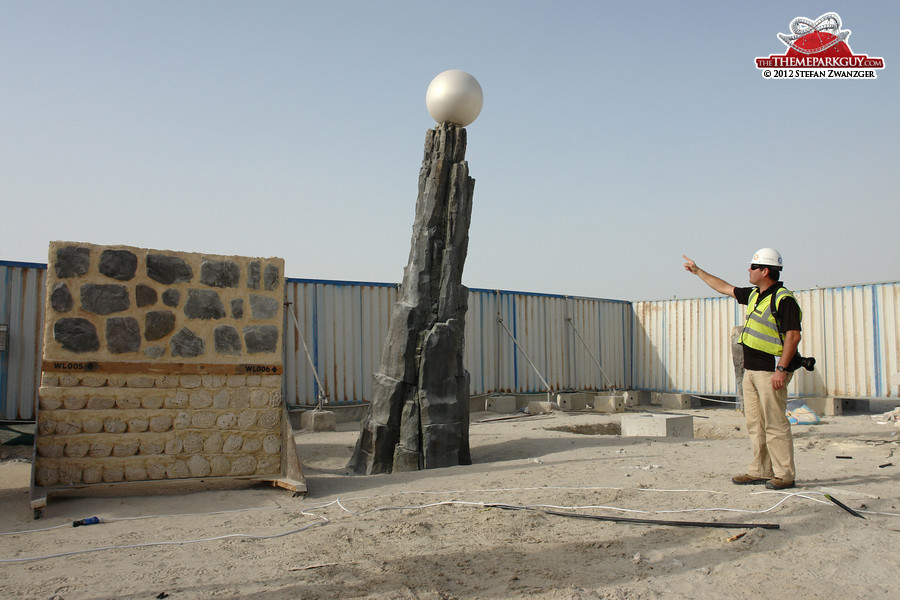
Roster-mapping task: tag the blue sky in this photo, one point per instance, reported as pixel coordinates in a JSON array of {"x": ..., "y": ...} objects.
[{"x": 614, "y": 138}]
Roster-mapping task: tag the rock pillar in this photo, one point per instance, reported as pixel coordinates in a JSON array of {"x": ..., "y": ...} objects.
[{"x": 419, "y": 416}]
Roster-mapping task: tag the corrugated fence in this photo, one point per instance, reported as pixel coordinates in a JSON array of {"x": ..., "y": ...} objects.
[
  {"x": 520, "y": 342},
  {"x": 852, "y": 331},
  {"x": 537, "y": 347},
  {"x": 22, "y": 309}
]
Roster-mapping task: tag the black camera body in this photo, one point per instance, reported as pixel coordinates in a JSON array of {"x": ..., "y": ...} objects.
[{"x": 807, "y": 362}]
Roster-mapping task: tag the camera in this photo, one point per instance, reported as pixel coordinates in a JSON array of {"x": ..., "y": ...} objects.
[{"x": 807, "y": 362}]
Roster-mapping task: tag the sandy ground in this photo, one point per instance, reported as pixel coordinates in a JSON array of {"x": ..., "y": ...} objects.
[{"x": 434, "y": 535}]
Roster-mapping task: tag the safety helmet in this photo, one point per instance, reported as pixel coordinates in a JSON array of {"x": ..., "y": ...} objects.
[{"x": 767, "y": 256}]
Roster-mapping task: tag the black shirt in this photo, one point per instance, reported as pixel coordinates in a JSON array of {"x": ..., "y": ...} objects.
[{"x": 787, "y": 316}]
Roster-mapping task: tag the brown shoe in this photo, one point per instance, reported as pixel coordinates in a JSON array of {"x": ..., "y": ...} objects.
[
  {"x": 779, "y": 484},
  {"x": 748, "y": 480}
]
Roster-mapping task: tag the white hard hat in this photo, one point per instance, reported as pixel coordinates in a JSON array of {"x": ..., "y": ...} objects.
[{"x": 767, "y": 256}]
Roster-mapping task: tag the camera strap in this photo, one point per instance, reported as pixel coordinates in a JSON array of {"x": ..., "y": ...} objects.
[{"x": 795, "y": 360}]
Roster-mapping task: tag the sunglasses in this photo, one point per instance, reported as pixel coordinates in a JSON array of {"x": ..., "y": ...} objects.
[{"x": 758, "y": 267}]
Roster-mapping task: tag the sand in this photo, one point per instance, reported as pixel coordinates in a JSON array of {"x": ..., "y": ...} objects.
[{"x": 434, "y": 534}]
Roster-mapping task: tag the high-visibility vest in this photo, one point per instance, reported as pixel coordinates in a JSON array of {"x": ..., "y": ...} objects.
[{"x": 761, "y": 329}]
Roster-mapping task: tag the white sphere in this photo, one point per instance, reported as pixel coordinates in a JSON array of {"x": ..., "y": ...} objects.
[{"x": 454, "y": 97}]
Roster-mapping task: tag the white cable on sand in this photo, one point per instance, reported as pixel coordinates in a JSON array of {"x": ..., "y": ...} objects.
[
  {"x": 340, "y": 503},
  {"x": 169, "y": 543}
]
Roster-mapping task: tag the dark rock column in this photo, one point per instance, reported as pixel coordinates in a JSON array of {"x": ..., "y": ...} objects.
[{"x": 419, "y": 416}]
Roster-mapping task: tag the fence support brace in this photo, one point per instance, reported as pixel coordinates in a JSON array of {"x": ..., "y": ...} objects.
[
  {"x": 513, "y": 338},
  {"x": 322, "y": 395},
  {"x": 609, "y": 384}
]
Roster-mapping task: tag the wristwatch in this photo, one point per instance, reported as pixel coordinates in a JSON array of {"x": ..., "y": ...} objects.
[{"x": 780, "y": 369}]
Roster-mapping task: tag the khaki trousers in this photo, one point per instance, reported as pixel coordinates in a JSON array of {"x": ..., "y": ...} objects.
[{"x": 768, "y": 426}]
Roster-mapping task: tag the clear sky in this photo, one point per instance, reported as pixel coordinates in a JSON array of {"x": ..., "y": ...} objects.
[{"x": 615, "y": 137}]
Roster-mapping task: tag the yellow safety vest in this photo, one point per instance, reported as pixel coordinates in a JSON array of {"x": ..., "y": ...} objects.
[{"x": 761, "y": 329}]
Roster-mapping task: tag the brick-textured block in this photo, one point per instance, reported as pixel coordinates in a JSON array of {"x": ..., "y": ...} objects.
[
  {"x": 270, "y": 381},
  {"x": 236, "y": 381},
  {"x": 214, "y": 381},
  {"x": 191, "y": 381},
  {"x": 140, "y": 381}
]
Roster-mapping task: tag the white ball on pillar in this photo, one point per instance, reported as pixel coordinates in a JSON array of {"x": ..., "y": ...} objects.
[{"x": 455, "y": 97}]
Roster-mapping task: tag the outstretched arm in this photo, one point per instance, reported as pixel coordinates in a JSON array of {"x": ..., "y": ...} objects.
[{"x": 720, "y": 285}]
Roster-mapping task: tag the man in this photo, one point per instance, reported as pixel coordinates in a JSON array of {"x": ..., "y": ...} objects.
[{"x": 769, "y": 338}]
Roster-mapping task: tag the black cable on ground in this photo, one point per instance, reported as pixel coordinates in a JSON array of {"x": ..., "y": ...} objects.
[
  {"x": 845, "y": 507},
  {"x": 644, "y": 521}
]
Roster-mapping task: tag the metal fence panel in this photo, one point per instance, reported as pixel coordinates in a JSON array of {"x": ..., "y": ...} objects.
[
  {"x": 531, "y": 333},
  {"x": 561, "y": 340},
  {"x": 481, "y": 351},
  {"x": 855, "y": 340},
  {"x": 22, "y": 308},
  {"x": 508, "y": 357},
  {"x": 584, "y": 325},
  {"x": 650, "y": 340},
  {"x": 813, "y": 343},
  {"x": 344, "y": 326},
  {"x": 887, "y": 343},
  {"x": 600, "y": 343}
]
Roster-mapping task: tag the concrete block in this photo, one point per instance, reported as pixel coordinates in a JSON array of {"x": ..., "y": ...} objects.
[
  {"x": 609, "y": 404},
  {"x": 318, "y": 420},
  {"x": 522, "y": 400},
  {"x": 347, "y": 414},
  {"x": 536, "y": 407},
  {"x": 823, "y": 406},
  {"x": 656, "y": 398},
  {"x": 573, "y": 400},
  {"x": 883, "y": 405},
  {"x": 681, "y": 426},
  {"x": 500, "y": 404},
  {"x": 636, "y": 397},
  {"x": 675, "y": 401}
]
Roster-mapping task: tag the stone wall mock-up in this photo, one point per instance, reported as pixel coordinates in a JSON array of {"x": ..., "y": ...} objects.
[{"x": 160, "y": 365}]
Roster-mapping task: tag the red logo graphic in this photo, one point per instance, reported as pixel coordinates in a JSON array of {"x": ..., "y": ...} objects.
[{"x": 818, "y": 49}]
